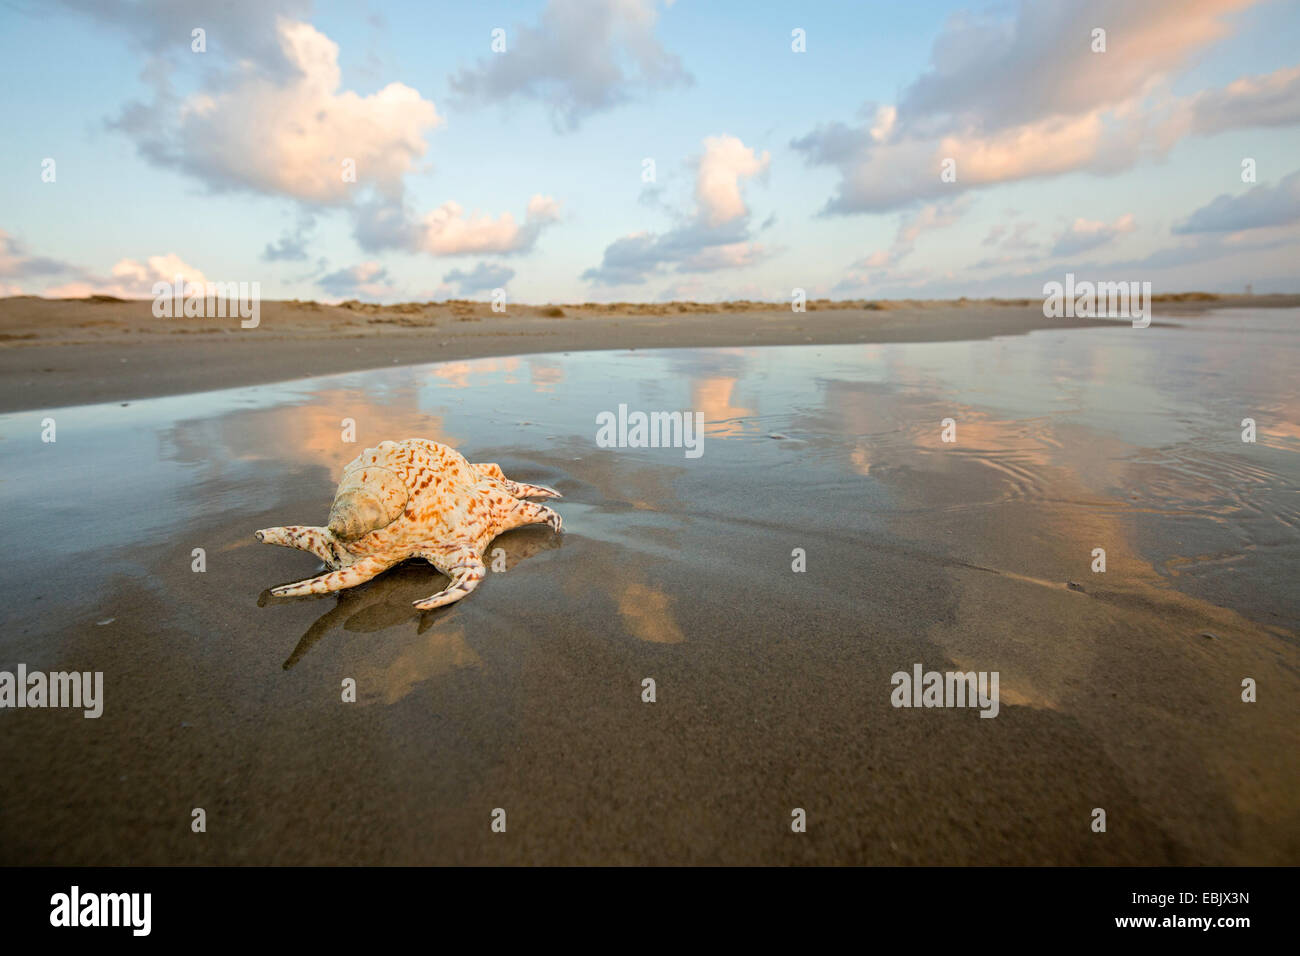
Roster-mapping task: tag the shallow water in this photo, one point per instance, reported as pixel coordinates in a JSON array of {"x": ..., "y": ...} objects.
[{"x": 976, "y": 552}]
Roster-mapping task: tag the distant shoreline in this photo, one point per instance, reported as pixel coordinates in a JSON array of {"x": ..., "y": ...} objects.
[{"x": 60, "y": 352}]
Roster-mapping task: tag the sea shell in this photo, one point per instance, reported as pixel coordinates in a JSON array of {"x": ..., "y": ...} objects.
[{"x": 413, "y": 498}]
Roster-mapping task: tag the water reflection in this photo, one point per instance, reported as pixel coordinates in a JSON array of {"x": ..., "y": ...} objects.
[
  {"x": 385, "y": 602},
  {"x": 1066, "y": 441}
]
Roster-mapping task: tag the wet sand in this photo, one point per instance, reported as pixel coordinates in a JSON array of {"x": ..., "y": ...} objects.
[{"x": 1119, "y": 690}]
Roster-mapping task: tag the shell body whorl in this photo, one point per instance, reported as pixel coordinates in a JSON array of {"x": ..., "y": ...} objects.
[{"x": 369, "y": 498}]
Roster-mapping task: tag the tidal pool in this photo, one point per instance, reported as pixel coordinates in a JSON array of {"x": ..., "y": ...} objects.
[{"x": 1120, "y": 688}]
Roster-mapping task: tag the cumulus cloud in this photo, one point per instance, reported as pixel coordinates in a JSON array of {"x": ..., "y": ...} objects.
[
  {"x": 926, "y": 219},
  {"x": 368, "y": 279},
  {"x": 1259, "y": 207},
  {"x": 15, "y": 263},
  {"x": 1182, "y": 260},
  {"x": 379, "y": 224},
  {"x": 725, "y": 163},
  {"x": 289, "y": 136},
  {"x": 295, "y": 132},
  {"x": 990, "y": 73},
  {"x": 130, "y": 279},
  {"x": 882, "y": 265},
  {"x": 169, "y": 268},
  {"x": 731, "y": 255},
  {"x": 450, "y": 231},
  {"x": 1264, "y": 256},
  {"x": 1208, "y": 248},
  {"x": 715, "y": 236},
  {"x": 482, "y": 278},
  {"x": 1252, "y": 101},
  {"x": 1085, "y": 234},
  {"x": 447, "y": 231},
  {"x": 1174, "y": 270},
  {"x": 235, "y": 29},
  {"x": 582, "y": 57},
  {"x": 1010, "y": 236},
  {"x": 291, "y": 246},
  {"x": 1013, "y": 99}
]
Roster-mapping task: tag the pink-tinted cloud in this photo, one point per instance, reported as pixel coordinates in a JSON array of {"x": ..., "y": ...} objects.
[
  {"x": 725, "y": 163},
  {"x": 1027, "y": 97}
]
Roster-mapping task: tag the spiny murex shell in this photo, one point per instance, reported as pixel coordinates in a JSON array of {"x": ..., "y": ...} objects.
[{"x": 414, "y": 498}]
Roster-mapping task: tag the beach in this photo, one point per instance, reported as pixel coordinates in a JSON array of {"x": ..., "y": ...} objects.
[
  {"x": 824, "y": 434},
  {"x": 60, "y": 352}
]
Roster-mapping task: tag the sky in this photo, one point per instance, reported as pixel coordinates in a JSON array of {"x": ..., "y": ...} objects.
[{"x": 643, "y": 150}]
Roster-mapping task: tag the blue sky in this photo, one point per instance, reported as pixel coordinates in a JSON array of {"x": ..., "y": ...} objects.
[{"x": 774, "y": 169}]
